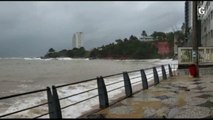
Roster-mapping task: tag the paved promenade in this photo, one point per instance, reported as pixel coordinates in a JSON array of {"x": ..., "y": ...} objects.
[{"x": 177, "y": 97}]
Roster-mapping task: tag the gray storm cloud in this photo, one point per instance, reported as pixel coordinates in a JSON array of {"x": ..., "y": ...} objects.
[{"x": 29, "y": 29}]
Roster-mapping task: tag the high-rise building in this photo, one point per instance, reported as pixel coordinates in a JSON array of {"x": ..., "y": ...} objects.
[
  {"x": 77, "y": 40},
  {"x": 205, "y": 23},
  {"x": 188, "y": 22}
]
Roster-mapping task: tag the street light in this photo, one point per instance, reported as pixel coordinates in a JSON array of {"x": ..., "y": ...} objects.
[{"x": 195, "y": 36}]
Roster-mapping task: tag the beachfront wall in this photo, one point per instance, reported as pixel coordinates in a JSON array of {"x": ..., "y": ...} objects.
[{"x": 185, "y": 55}]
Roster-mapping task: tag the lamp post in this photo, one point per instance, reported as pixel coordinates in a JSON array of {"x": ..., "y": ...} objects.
[{"x": 195, "y": 36}]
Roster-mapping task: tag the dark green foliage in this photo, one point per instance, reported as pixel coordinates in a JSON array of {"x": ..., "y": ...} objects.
[
  {"x": 74, "y": 53},
  {"x": 51, "y": 50},
  {"x": 143, "y": 33},
  {"x": 158, "y": 35},
  {"x": 130, "y": 48},
  {"x": 180, "y": 39}
]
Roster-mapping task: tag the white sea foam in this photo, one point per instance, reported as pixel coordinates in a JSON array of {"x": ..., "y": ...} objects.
[
  {"x": 12, "y": 58},
  {"x": 70, "y": 112},
  {"x": 144, "y": 60},
  {"x": 167, "y": 61},
  {"x": 64, "y": 58},
  {"x": 60, "y": 58},
  {"x": 25, "y": 103},
  {"x": 46, "y": 59},
  {"x": 80, "y": 58},
  {"x": 32, "y": 59}
]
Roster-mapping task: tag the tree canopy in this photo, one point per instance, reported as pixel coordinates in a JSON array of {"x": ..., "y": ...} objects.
[
  {"x": 51, "y": 50},
  {"x": 143, "y": 33},
  {"x": 128, "y": 48},
  {"x": 74, "y": 53}
]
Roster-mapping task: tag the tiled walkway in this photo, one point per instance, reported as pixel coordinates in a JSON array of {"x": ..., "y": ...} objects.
[{"x": 177, "y": 97}]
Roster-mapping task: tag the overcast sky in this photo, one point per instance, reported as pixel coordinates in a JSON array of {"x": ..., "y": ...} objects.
[{"x": 29, "y": 29}]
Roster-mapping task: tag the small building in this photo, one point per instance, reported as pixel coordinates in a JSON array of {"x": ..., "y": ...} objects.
[
  {"x": 147, "y": 38},
  {"x": 163, "y": 47}
]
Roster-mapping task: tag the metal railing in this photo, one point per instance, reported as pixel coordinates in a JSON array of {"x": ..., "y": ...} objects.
[
  {"x": 54, "y": 104},
  {"x": 205, "y": 55},
  {"x": 28, "y": 108}
]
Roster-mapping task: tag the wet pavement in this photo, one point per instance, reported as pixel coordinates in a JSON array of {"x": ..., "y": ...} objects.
[{"x": 177, "y": 97}]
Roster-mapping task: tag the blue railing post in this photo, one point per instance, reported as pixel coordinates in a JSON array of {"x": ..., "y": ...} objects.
[
  {"x": 163, "y": 72},
  {"x": 51, "y": 107},
  {"x": 127, "y": 84},
  {"x": 156, "y": 78},
  {"x": 102, "y": 93},
  {"x": 170, "y": 71},
  {"x": 144, "y": 79},
  {"x": 56, "y": 103}
]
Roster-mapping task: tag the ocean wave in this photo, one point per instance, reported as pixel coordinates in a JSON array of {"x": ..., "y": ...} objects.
[
  {"x": 11, "y": 58},
  {"x": 32, "y": 59},
  {"x": 65, "y": 58},
  {"x": 167, "y": 61},
  {"x": 60, "y": 58},
  {"x": 80, "y": 58},
  {"x": 78, "y": 109}
]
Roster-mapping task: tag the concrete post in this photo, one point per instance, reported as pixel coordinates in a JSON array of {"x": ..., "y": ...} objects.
[
  {"x": 51, "y": 107},
  {"x": 144, "y": 79},
  {"x": 163, "y": 72},
  {"x": 127, "y": 84},
  {"x": 102, "y": 93},
  {"x": 56, "y": 103},
  {"x": 170, "y": 71},
  {"x": 156, "y": 78}
]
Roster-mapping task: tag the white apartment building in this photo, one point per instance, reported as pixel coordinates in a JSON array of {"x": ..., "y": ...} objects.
[
  {"x": 205, "y": 28},
  {"x": 77, "y": 41},
  {"x": 207, "y": 23},
  {"x": 188, "y": 22},
  {"x": 147, "y": 38}
]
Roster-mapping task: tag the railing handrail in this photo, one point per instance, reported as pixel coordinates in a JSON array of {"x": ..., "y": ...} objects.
[
  {"x": 73, "y": 83},
  {"x": 88, "y": 80},
  {"x": 21, "y": 94}
]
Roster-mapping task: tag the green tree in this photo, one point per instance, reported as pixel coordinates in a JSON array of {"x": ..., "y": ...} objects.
[
  {"x": 51, "y": 50},
  {"x": 130, "y": 48},
  {"x": 158, "y": 35},
  {"x": 143, "y": 33},
  {"x": 133, "y": 38},
  {"x": 63, "y": 53},
  {"x": 180, "y": 39}
]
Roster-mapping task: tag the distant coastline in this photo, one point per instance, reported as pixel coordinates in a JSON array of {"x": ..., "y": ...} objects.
[{"x": 160, "y": 47}]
